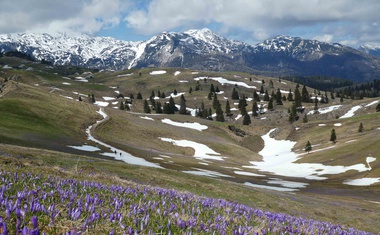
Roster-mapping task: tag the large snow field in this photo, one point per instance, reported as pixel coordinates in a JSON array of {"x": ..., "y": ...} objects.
[{"x": 279, "y": 159}]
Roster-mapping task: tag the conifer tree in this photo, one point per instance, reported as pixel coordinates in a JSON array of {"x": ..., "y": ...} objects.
[
  {"x": 246, "y": 119},
  {"x": 175, "y": 92},
  {"x": 146, "y": 107},
  {"x": 152, "y": 95},
  {"x": 297, "y": 98},
  {"x": 278, "y": 97},
  {"x": 139, "y": 96},
  {"x": 212, "y": 88},
  {"x": 308, "y": 147},
  {"x": 266, "y": 96},
  {"x": 316, "y": 106},
  {"x": 159, "y": 107},
  {"x": 262, "y": 89},
  {"x": 305, "y": 94},
  {"x": 79, "y": 98},
  {"x": 127, "y": 107},
  {"x": 228, "y": 108},
  {"x": 293, "y": 113},
  {"x": 219, "y": 112},
  {"x": 217, "y": 89},
  {"x": 290, "y": 95},
  {"x": 172, "y": 107},
  {"x": 255, "y": 109},
  {"x": 235, "y": 94},
  {"x": 162, "y": 95},
  {"x": 270, "y": 104},
  {"x": 361, "y": 127},
  {"x": 182, "y": 109},
  {"x": 215, "y": 101},
  {"x": 333, "y": 136},
  {"x": 190, "y": 90}
]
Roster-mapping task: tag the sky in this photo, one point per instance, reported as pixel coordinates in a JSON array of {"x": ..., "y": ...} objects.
[{"x": 349, "y": 22}]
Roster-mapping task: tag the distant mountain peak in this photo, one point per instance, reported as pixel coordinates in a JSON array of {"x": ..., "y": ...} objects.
[{"x": 200, "y": 49}]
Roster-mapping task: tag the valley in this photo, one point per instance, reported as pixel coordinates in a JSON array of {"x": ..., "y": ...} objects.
[{"x": 109, "y": 133}]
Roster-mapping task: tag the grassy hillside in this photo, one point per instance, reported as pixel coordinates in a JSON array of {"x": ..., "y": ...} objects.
[{"x": 41, "y": 116}]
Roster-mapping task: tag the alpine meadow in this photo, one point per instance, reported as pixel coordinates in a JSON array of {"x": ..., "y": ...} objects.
[{"x": 188, "y": 133}]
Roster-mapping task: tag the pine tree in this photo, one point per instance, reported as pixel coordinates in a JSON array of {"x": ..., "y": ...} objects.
[
  {"x": 361, "y": 127},
  {"x": 215, "y": 101},
  {"x": 139, "y": 96},
  {"x": 217, "y": 89},
  {"x": 159, "y": 108},
  {"x": 333, "y": 136},
  {"x": 266, "y": 96},
  {"x": 79, "y": 98},
  {"x": 127, "y": 107},
  {"x": 190, "y": 90},
  {"x": 278, "y": 97},
  {"x": 212, "y": 88},
  {"x": 270, "y": 104},
  {"x": 175, "y": 92},
  {"x": 219, "y": 113},
  {"x": 255, "y": 109},
  {"x": 316, "y": 106},
  {"x": 308, "y": 147},
  {"x": 297, "y": 98},
  {"x": 172, "y": 107},
  {"x": 235, "y": 94},
  {"x": 146, "y": 107},
  {"x": 262, "y": 89},
  {"x": 305, "y": 94},
  {"x": 290, "y": 95},
  {"x": 293, "y": 113},
  {"x": 152, "y": 95},
  {"x": 182, "y": 107},
  {"x": 228, "y": 108},
  {"x": 246, "y": 119}
]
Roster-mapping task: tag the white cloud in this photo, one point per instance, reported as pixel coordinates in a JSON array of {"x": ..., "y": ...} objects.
[
  {"x": 70, "y": 16},
  {"x": 262, "y": 18},
  {"x": 348, "y": 21}
]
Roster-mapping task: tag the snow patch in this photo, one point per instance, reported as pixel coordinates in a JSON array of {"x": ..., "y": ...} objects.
[
  {"x": 158, "y": 72},
  {"x": 362, "y": 181},
  {"x": 279, "y": 159},
  {"x": 193, "y": 125},
  {"x": 147, "y": 118},
  {"x": 87, "y": 148},
  {"x": 201, "y": 151},
  {"x": 248, "y": 173},
  {"x": 101, "y": 103},
  {"x": 223, "y": 81},
  {"x": 351, "y": 112},
  {"x": 176, "y": 73}
]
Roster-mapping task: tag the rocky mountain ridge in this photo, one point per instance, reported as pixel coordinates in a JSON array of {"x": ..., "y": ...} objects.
[{"x": 200, "y": 49}]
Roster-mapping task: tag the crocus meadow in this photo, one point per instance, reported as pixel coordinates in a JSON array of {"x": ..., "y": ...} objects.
[{"x": 39, "y": 204}]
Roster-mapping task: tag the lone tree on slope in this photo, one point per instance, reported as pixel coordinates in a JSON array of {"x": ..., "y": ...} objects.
[
  {"x": 333, "y": 136},
  {"x": 361, "y": 127},
  {"x": 308, "y": 147}
]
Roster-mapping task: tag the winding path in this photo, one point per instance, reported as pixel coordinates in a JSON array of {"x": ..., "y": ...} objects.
[{"x": 115, "y": 152}]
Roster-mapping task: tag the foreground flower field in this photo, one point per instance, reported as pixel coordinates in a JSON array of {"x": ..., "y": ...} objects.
[{"x": 39, "y": 204}]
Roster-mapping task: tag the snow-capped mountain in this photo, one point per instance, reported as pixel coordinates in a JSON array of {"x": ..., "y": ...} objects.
[
  {"x": 371, "y": 48},
  {"x": 199, "y": 49}
]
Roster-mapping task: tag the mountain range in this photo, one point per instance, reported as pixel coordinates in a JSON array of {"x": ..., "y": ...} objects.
[{"x": 202, "y": 50}]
